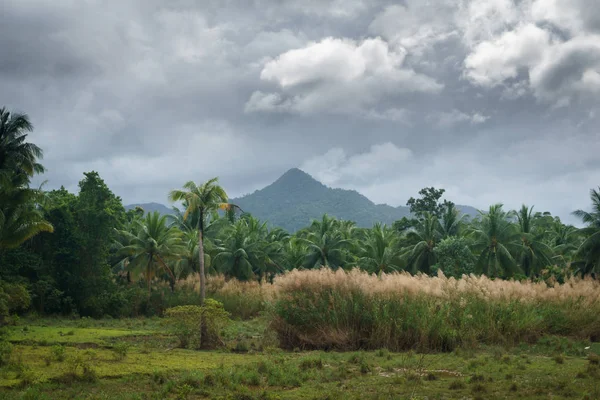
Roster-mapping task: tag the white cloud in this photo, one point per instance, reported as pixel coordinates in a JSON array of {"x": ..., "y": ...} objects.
[
  {"x": 336, "y": 167},
  {"x": 338, "y": 75},
  {"x": 493, "y": 62},
  {"x": 454, "y": 117}
]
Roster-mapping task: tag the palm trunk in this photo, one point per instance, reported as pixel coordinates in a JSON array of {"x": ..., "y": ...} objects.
[{"x": 201, "y": 264}]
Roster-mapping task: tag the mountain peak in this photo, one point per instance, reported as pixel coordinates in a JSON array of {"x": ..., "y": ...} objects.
[{"x": 295, "y": 174}]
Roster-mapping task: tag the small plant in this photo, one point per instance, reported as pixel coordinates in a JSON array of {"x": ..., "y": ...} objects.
[
  {"x": 431, "y": 377},
  {"x": 311, "y": 363},
  {"x": 513, "y": 387},
  {"x": 559, "y": 359},
  {"x": 241, "y": 347},
  {"x": 478, "y": 388},
  {"x": 457, "y": 385},
  {"x": 382, "y": 353},
  {"x": 364, "y": 367},
  {"x": 58, "y": 353},
  {"x": 184, "y": 391},
  {"x": 477, "y": 378},
  {"x": 120, "y": 350},
  {"x": 593, "y": 359},
  {"x": 6, "y": 350}
]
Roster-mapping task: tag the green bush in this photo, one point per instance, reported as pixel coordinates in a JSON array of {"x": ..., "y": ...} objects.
[
  {"x": 120, "y": 350},
  {"x": 198, "y": 326},
  {"x": 454, "y": 257},
  {"x": 58, "y": 353},
  {"x": 6, "y": 350}
]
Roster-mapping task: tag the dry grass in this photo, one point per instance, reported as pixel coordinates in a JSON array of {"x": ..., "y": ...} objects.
[{"x": 347, "y": 310}]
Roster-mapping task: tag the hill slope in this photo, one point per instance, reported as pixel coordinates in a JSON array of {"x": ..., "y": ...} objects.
[
  {"x": 151, "y": 207},
  {"x": 296, "y": 198}
]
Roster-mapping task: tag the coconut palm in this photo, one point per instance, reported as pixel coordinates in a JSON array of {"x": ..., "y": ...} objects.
[
  {"x": 325, "y": 244},
  {"x": 451, "y": 221},
  {"x": 20, "y": 219},
  {"x": 150, "y": 246},
  {"x": 380, "y": 250},
  {"x": 564, "y": 241},
  {"x": 240, "y": 254},
  {"x": 588, "y": 253},
  {"x": 423, "y": 238},
  {"x": 204, "y": 200},
  {"x": 495, "y": 237},
  {"x": 534, "y": 254},
  {"x": 17, "y": 157}
]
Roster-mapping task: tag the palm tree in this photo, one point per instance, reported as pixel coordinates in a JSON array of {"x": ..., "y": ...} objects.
[
  {"x": 150, "y": 246},
  {"x": 495, "y": 237},
  {"x": 451, "y": 221},
  {"x": 423, "y": 239},
  {"x": 380, "y": 250},
  {"x": 325, "y": 243},
  {"x": 534, "y": 253},
  {"x": 240, "y": 254},
  {"x": 202, "y": 199},
  {"x": 564, "y": 241},
  {"x": 588, "y": 253},
  {"x": 17, "y": 157}
]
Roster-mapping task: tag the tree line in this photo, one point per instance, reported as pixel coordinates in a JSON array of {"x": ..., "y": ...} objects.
[{"x": 62, "y": 252}]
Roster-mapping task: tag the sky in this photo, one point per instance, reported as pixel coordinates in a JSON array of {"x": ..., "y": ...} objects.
[{"x": 497, "y": 101}]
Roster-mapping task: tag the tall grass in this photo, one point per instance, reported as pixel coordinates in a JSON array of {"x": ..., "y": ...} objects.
[{"x": 352, "y": 310}]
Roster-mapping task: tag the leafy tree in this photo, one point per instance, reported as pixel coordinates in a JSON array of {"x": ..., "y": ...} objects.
[
  {"x": 495, "y": 238},
  {"x": 380, "y": 250},
  {"x": 201, "y": 199},
  {"x": 588, "y": 253},
  {"x": 429, "y": 202},
  {"x": 151, "y": 246},
  {"x": 454, "y": 258},
  {"x": 564, "y": 241},
  {"x": 423, "y": 238}
]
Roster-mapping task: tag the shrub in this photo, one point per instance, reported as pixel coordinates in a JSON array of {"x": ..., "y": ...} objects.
[
  {"x": 198, "y": 327},
  {"x": 120, "y": 350},
  {"x": 58, "y": 353},
  {"x": 6, "y": 350}
]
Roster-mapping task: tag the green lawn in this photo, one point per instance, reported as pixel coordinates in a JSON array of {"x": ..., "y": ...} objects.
[{"x": 108, "y": 361}]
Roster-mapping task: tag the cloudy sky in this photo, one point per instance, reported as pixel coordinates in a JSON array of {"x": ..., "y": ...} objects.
[{"x": 494, "y": 100}]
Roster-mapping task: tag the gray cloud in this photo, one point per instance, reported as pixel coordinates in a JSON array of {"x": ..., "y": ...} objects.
[{"x": 493, "y": 100}]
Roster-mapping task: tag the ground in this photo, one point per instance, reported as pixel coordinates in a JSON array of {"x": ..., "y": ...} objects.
[{"x": 136, "y": 359}]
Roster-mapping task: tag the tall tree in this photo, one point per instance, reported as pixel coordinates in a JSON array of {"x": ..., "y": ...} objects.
[
  {"x": 150, "y": 246},
  {"x": 17, "y": 156},
  {"x": 588, "y": 254},
  {"x": 534, "y": 254},
  {"x": 495, "y": 238},
  {"x": 325, "y": 243},
  {"x": 423, "y": 239},
  {"x": 203, "y": 199},
  {"x": 380, "y": 250},
  {"x": 429, "y": 202}
]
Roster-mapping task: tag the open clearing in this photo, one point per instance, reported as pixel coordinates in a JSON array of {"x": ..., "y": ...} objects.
[{"x": 134, "y": 359}]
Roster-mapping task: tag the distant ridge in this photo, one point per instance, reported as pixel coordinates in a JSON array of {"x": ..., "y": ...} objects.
[
  {"x": 296, "y": 198},
  {"x": 151, "y": 207}
]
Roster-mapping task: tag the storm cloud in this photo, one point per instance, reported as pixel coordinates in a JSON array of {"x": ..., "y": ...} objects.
[{"x": 494, "y": 100}]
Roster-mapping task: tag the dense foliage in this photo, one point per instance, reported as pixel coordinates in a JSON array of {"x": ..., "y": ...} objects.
[{"x": 68, "y": 253}]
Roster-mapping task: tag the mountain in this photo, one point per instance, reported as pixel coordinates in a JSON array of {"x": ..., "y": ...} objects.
[
  {"x": 151, "y": 207},
  {"x": 293, "y": 200},
  {"x": 296, "y": 198}
]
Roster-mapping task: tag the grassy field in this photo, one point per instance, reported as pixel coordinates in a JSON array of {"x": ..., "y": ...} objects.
[{"x": 135, "y": 359}]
